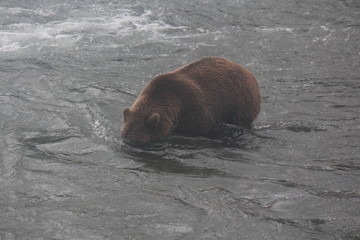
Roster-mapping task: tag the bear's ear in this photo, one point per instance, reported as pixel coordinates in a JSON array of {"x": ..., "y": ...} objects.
[{"x": 153, "y": 120}]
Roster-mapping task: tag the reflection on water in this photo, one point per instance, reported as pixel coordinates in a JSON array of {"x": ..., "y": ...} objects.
[{"x": 68, "y": 69}]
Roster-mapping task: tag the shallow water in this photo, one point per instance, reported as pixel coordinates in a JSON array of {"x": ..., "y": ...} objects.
[{"x": 69, "y": 68}]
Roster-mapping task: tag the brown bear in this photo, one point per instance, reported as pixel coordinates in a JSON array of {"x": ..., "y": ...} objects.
[{"x": 193, "y": 99}]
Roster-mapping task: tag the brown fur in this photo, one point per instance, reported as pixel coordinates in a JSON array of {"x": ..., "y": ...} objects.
[{"x": 193, "y": 99}]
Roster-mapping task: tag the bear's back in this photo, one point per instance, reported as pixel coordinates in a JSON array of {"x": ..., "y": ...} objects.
[
  {"x": 215, "y": 74},
  {"x": 209, "y": 90}
]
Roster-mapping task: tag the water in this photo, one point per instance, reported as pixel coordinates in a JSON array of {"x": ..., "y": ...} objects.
[{"x": 69, "y": 68}]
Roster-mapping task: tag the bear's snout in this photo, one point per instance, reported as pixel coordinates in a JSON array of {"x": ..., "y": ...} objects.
[{"x": 135, "y": 138}]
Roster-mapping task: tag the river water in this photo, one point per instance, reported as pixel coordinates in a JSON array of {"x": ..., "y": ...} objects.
[{"x": 69, "y": 68}]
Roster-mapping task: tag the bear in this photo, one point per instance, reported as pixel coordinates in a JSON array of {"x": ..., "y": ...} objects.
[{"x": 193, "y": 99}]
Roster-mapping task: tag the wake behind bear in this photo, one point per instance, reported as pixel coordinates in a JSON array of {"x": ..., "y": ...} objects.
[{"x": 193, "y": 99}]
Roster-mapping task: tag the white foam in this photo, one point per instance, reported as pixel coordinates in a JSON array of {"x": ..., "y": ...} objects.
[
  {"x": 10, "y": 47},
  {"x": 274, "y": 29},
  {"x": 174, "y": 228},
  {"x": 70, "y": 31},
  {"x": 22, "y": 11}
]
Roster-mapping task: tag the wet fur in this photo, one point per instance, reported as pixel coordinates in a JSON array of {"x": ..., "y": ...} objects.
[{"x": 193, "y": 99}]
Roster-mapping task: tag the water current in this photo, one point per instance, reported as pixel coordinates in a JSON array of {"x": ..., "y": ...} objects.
[{"x": 69, "y": 68}]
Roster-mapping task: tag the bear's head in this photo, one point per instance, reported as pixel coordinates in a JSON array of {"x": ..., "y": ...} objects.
[{"x": 141, "y": 128}]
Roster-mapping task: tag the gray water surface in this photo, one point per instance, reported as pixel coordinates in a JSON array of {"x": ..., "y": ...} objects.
[{"x": 69, "y": 68}]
